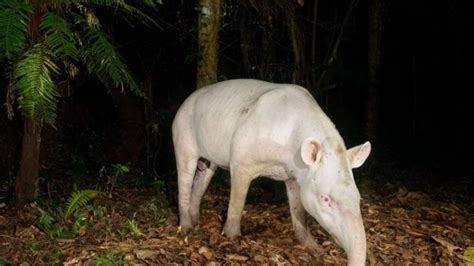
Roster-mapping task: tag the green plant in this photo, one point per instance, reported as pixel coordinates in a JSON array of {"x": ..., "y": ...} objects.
[
  {"x": 156, "y": 207},
  {"x": 111, "y": 174},
  {"x": 63, "y": 223},
  {"x": 111, "y": 258},
  {"x": 36, "y": 36},
  {"x": 78, "y": 199},
  {"x": 43, "y": 44},
  {"x": 119, "y": 170},
  {"x": 132, "y": 227},
  {"x": 97, "y": 211}
]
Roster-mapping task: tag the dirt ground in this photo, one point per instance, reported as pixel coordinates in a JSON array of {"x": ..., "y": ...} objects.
[{"x": 403, "y": 226}]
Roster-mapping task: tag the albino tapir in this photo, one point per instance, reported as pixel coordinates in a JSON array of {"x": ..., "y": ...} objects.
[{"x": 256, "y": 128}]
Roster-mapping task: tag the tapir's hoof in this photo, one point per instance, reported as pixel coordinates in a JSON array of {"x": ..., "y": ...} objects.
[
  {"x": 307, "y": 241},
  {"x": 310, "y": 243},
  {"x": 231, "y": 232},
  {"x": 195, "y": 219},
  {"x": 185, "y": 229}
]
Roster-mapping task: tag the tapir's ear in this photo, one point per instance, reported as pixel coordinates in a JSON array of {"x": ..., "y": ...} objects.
[
  {"x": 311, "y": 151},
  {"x": 358, "y": 154}
]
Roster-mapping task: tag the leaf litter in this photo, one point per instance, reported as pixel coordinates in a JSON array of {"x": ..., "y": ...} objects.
[{"x": 402, "y": 227}]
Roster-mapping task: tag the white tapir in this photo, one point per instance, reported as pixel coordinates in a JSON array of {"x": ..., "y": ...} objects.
[{"x": 256, "y": 128}]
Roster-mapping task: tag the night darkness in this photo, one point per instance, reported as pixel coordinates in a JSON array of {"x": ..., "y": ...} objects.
[{"x": 421, "y": 161}]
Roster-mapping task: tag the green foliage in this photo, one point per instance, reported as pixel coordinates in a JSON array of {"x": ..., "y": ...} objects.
[
  {"x": 46, "y": 221},
  {"x": 56, "y": 255},
  {"x": 97, "y": 211},
  {"x": 58, "y": 223},
  {"x": 111, "y": 258},
  {"x": 102, "y": 59},
  {"x": 103, "y": 261},
  {"x": 14, "y": 20},
  {"x": 157, "y": 207},
  {"x": 34, "y": 74},
  {"x": 35, "y": 37},
  {"x": 60, "y": 40},
  {"x": 77, "y": 200},
  {"x": 119, "y": 169},
  {"x": 469, "y": 253},
  {"x": 132, "y": 227}
]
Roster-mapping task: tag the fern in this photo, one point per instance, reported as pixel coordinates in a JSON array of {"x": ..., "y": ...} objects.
[
  {"x": 14, "y": 19},
  {"x": 35, "y": 85},
  {"x": 120, "y": 6},
  {"x": 103, "y": 60},
  {"x": 59, "y": 37},
  {"x": 78, "y": 199},
  {"x": 46, "y": 221}
]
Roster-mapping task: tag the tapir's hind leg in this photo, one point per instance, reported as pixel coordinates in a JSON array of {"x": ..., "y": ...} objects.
[
  {"x": 204, "y": 172},
  {"x": 186, "y": 167}
]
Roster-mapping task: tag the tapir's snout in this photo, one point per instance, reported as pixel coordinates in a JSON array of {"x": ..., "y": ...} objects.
[{"x": 352, "y": 238}]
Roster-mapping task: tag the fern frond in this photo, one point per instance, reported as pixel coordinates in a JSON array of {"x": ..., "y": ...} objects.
[
  {"x": 38, "y": 96},
  {"x": 121, "y": 6},
  {"x": 46, "y": 221},
  {"x": 60, "y": 39},
  {"x": 14, "y": 19},
  {"x": 102, "y": 59},
  {"x": 78, "y": 199}
]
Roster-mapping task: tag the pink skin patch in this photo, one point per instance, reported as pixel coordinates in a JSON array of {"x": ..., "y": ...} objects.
[{"x": 329, "y": 201}]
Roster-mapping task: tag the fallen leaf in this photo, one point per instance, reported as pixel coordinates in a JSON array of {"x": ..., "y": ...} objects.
[
  {"x": 213, "y": 239},
  {"x": 205, "y": 252},
  {"x": 445, "y": 243},
  {"x": 236, "y": 257},
  {"x": 146, "y": 254},
  {"x": 259, "y": 259}
]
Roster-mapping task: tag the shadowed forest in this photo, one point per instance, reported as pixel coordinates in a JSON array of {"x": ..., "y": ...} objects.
[{"x": 89, "y": 91}]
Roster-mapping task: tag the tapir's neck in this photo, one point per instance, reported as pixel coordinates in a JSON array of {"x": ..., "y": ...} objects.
[{"x": 324, "y": 131}]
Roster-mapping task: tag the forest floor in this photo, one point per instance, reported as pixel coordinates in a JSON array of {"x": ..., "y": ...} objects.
[{"x": 403, "y": 226}]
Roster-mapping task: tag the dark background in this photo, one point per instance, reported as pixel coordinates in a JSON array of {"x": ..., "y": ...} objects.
[{"x": 425, "y": 116}]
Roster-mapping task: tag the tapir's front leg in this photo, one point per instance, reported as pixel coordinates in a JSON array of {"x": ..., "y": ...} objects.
[
  {"x": 240, "y": 182},
  {"x": 298, "y": 214}
]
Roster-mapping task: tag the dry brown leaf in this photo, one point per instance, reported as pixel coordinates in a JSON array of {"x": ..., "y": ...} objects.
[
  {"x": 213, "y": 239},
  {"x": 415, "y": 233},
  {"x": 326, "y": 243},
  {"x": 195, "y": 256},
  {"x": 205, "y": 252},
  {"x": 146, "y": 254},
  {"x": 446, "y": 243},
  {"x": 236, "y": 257},
  {"x": 260, "y": 259}
]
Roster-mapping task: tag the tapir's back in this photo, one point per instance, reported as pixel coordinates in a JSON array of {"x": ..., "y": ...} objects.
[
  {"x": 215, "y": 112},
  {"x": 218, "y": 111}
]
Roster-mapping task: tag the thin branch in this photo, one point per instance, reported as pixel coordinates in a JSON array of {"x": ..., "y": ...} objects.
[{"x": 333, "y": 54}]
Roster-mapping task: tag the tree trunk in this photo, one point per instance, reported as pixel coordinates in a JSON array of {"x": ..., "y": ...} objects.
[
  {"x": 313, "y": 32},
  {"x": 244, "y": 40},
  {"x": 26, "y": 183},
  {"x": 313, "y": 44},
  {"x": 208, "y": 32},
  {"x": 333, "y": 54},
  {"x": 372, "y": 106},
  {"x": 297, "y": 44}
]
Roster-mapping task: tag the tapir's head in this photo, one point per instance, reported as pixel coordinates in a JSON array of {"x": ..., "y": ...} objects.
[{"x": 329, "y": 193}]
